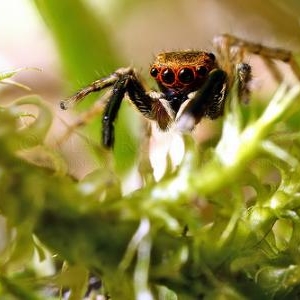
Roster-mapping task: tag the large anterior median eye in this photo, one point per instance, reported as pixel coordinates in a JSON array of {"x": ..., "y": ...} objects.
[
  {"x": 168, "y": 76},
  {"x": 186, "y": 75}
]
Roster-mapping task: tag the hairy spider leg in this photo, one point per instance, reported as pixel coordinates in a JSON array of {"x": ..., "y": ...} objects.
[
  {"x": 93, "y": 87},
  {"x": 225, "y": 42},
  {"x": 111, "y": 111},
  {"x": 151, "y": 107},
  {"x": 231, "y": 54},
  {"x": 124, "y": 81},
  {"x": 208, "y": 101}
]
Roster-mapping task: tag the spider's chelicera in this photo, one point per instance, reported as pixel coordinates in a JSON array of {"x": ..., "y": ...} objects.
[{"x": 192, "y": 85}]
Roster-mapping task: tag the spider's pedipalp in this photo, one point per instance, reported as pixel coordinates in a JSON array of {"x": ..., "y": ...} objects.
[{"x": 161, "y": 110}]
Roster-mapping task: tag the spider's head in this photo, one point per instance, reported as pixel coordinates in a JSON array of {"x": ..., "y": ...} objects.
[{"x": 182, "y": 72}]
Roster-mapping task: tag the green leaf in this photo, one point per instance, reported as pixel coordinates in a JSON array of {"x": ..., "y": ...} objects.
[{"x": 88, "y": 53}]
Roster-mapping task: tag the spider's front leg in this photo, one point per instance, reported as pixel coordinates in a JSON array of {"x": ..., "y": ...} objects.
[
  {"x": 124, "y": 80},
  {"x": 149, "y": 104},
  {"x": 119, "y": 81},
  {"x": 208, "y": 101},
  {"x": 93, "y": 87}
]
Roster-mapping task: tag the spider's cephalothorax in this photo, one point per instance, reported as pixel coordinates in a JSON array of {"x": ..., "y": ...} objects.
[
  {"x": 179, "y": 73},
  {"x": 192, "y": 85},
  {"x": 188, "y": 75}
]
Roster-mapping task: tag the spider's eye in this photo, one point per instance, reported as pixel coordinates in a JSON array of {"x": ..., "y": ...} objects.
[
  {"x": 186, "y": 75},
  {"x": 153, "y": 72},
  {"x": 202, "y": 71},
  {"x": 212, "y": 56},
  {"x": 168, "y": 76}
]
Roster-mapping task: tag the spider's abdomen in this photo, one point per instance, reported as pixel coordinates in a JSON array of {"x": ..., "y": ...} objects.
[{"x": 182, "y": 72}]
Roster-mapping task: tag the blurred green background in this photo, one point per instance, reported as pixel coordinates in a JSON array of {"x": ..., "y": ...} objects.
[{"x": 76, "y": 42}]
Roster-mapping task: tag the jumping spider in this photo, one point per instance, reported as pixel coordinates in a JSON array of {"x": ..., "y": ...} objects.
[{"x": 192, "y": 84}]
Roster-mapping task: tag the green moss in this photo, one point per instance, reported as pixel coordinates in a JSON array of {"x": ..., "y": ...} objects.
[{"x": 156, "y": 236}]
